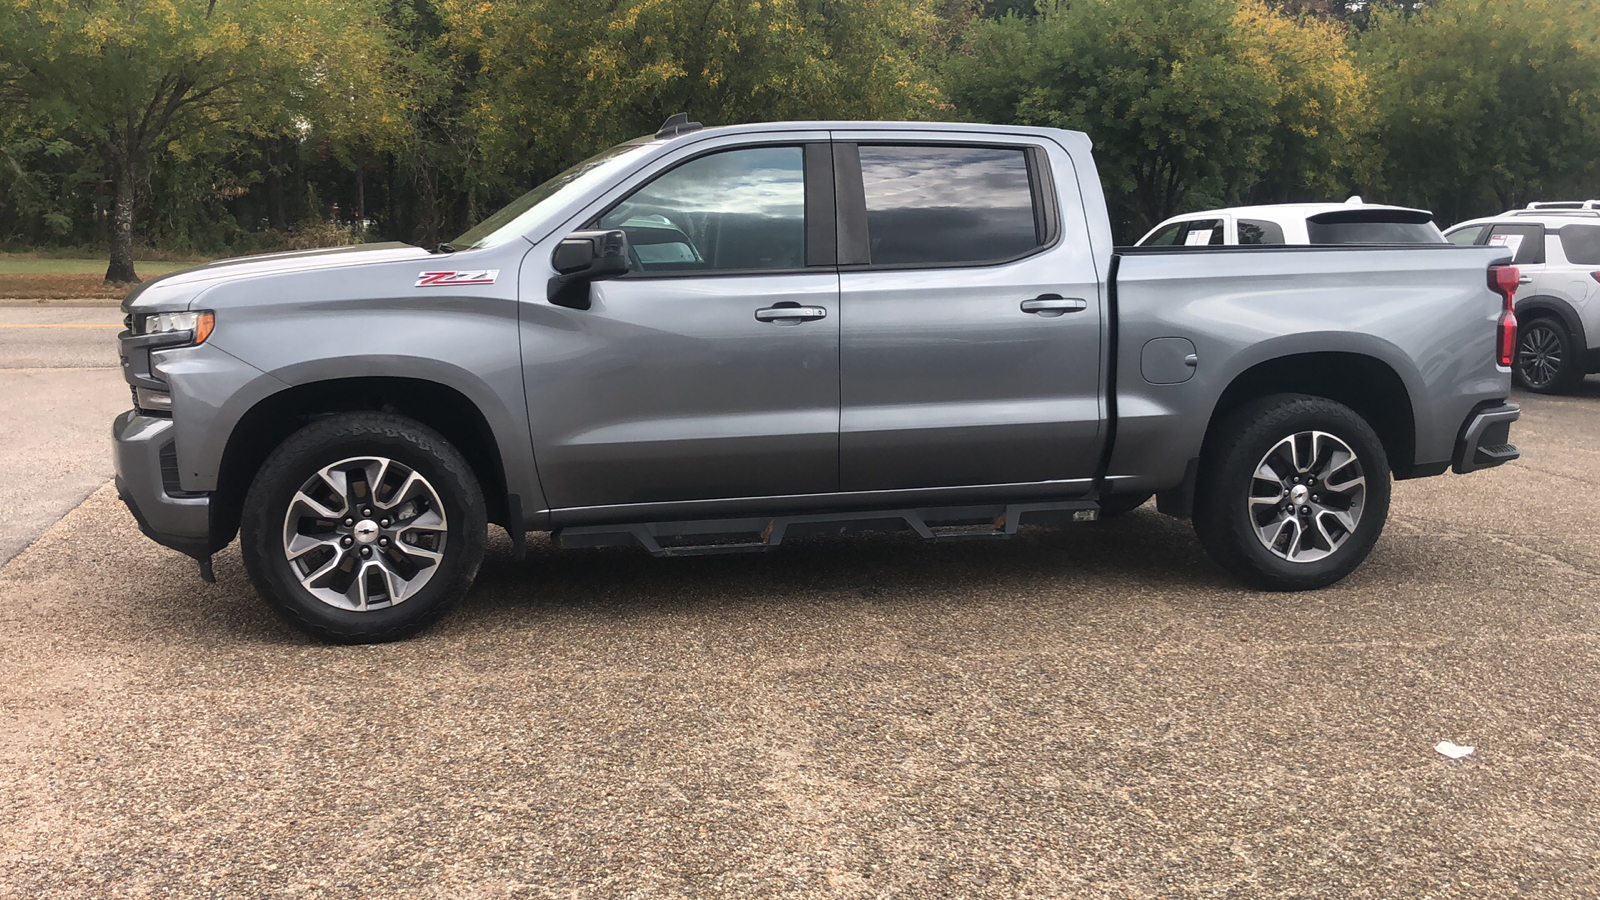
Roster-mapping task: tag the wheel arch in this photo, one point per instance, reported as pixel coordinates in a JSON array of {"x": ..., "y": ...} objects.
[
  {"x": 1365, "y": 383},
  {"x": 274, "y": 418},
  {"x": 1544, "y": 305}
]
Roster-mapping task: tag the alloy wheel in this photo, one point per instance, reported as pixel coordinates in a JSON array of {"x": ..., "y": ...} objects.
[
  {"x": 364, "y": 533},
  {"x": 1539, "y": 355},
  {"x": 1307, "y": 496}
]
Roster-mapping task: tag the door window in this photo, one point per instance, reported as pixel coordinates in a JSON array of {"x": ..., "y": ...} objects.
[
  {"x": 1466, "y": 237},
  {"x": 1191, "y": 233},
  {"x": 1526, "y": 241},
  {"x": 948, "y": 205},
  {"x": 734, "y": 211},
  {"x": 1260, "y": 231}
]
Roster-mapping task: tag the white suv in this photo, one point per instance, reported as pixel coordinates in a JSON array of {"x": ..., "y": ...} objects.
[
  {"x": 1557, "y": 248},
  {"x": 1350, "y": 222}
]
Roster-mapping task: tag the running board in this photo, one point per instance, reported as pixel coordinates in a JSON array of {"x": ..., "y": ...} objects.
[{"x": 757, "y": 535}]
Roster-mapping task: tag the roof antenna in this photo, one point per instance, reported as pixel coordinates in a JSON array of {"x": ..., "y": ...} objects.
[{"x": 676, "y": 124}]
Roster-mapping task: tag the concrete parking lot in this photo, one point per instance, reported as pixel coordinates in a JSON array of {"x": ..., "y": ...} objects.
[{"x": 1090, "y": 711}]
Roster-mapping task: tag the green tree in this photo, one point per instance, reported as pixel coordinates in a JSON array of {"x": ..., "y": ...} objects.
[
  {"x": 1321, "y": 115},
  {"x": 556, "y": 81},
  {"x": 1486, "y": 104},
  {"x": 134, "y": 78},
  {"x": 1186, "y": 100}
]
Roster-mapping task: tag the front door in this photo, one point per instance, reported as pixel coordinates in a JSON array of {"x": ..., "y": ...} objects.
[
  {"x": 970, "y": 352},
  {"x": 1526, "y": 241},
  {"x": 711, "y": 370}
]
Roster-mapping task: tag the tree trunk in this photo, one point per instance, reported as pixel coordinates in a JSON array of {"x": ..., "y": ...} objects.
[
  {"x": 361, "y": 188},
  {"x": 120, "y": 271},
  {"x": 277, "y": 200}
]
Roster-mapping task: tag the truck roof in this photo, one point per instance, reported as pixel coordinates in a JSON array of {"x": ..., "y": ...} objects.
[{"x": 844, "y": 125}]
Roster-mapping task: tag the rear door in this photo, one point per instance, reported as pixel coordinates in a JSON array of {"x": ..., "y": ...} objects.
[
  {"x": 1580, "y": 276},
  {"x": 971, "y": 314}
]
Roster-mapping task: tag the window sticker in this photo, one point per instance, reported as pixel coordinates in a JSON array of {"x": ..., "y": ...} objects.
[
  {"x": 1512, "y": 242},
  {"x": 1198, "y": 238}
]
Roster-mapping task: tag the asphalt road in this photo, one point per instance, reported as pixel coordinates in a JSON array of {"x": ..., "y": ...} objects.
[
  {"x": 60, "y": 386},
  {"x": 1086, "y": 711}
]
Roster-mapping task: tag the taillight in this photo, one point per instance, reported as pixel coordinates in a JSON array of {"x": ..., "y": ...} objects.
[
  {"x": 1503, "y": 280},
  {"x": 1595, "y": 275}
]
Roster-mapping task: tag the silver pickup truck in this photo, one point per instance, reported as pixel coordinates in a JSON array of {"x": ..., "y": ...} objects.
[{"x": 710, "y": 340}]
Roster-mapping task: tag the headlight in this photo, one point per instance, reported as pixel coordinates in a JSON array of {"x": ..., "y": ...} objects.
[{"x": 200, "y": 323}]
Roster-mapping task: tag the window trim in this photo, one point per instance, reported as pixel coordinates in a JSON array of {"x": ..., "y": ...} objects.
[
  {"x": 1544, "y": 235},
  {"x": 818, "y": 196},
  {"x": 855, "y": 243}
]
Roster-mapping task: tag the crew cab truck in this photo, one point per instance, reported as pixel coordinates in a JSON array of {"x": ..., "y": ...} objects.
[{"x": 711, "y": 340}]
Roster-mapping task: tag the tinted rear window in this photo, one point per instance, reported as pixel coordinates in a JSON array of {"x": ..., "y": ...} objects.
[
  {"x": 1253, "y": 231},
  {"x": 1373, "y": 233},
  {"x": 1581, "y": 243},
  {"x": 947, "y": 205}
]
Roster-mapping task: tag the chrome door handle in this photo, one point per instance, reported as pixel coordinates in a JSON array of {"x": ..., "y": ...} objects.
[
  {"x": 1053, "y": 305},
  {"x": 1526, "y": 279},
  {"x": 790, "y": 315}
]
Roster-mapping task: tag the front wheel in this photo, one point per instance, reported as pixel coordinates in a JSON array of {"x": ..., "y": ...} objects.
[
  {"x": 1293, "y": 492},
  {"x": 363, "y": 527}
]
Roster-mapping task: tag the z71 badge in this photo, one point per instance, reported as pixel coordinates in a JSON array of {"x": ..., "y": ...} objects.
[{"x": 451, "y": 279}]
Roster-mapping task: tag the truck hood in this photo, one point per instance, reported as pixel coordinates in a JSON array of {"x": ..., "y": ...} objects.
[{"x": 175, "y": 289}]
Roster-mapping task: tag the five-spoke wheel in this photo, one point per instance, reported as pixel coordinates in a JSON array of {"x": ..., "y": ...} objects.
[
  {"x": 363, "y": 527},
  {"x": 1293, "y": 491},
  {"x": 364, "y": 533},
  {"x": 1307, "y": 496}
]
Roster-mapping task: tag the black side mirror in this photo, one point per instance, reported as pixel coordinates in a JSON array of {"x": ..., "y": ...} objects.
[{"x": 583, "y": 257}]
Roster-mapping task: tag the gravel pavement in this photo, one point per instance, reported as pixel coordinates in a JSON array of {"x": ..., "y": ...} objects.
[{"x": 1093, "y": 711}]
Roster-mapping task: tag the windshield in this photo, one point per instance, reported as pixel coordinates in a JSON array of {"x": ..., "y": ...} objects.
[{"x": 517, "y": 218}]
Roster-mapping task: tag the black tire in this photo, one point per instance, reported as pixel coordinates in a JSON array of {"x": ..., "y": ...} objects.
[
  {"x": 326, "y": 442},
  {"x": 1224, "y": 514},
  {"x": 1546, "y": 362},
  {"x": 1121, "y": 504}
]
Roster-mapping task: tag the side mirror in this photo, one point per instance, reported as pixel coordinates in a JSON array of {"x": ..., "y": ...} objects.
[{"x": 583, "y": 257}]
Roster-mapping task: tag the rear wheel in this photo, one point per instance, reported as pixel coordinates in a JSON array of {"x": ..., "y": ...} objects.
[
  {"x": 1546, "y": 361},
  {"x": 363, "y": 527},
  {"x": 1293, "y": 492}
]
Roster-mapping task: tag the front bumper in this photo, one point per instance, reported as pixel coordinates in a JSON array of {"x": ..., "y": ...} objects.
[
  {"x": 1485, "y": 439},
  {"x": 167, "y": 515}
]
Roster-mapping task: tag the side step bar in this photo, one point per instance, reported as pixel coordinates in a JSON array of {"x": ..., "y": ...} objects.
[{"x": 756, "y": 535}]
